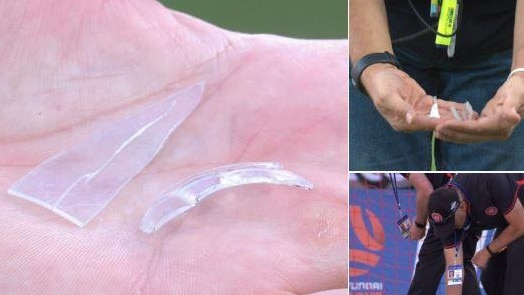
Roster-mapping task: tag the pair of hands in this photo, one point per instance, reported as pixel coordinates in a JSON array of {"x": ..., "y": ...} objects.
[
  {"x": 405, "y": 105},
  {"x": 480, "y": 259}
]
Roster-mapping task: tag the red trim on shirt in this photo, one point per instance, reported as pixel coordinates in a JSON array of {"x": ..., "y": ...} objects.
[
  {"x": 449, "y": 246},
  {"x": 515, "y": 197}
]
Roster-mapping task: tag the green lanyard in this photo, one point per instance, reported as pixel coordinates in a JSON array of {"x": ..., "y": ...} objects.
[
  {"x": 433, "y": 114},
  {"x": 433, "y": 158}
]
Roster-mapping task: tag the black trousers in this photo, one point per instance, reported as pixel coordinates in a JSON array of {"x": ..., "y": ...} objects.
[
  {"x": 431, "y": 265},
  {"x": 504, "y": 274}
]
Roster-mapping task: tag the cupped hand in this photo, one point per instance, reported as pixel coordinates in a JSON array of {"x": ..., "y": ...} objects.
[
  {"x": 481, "y": 258},
  {"x": 497, "y": 121},
  {"x": 401, "y": 100},
  {"x": 76, "y": 68},
  {"x": 416, "y": 233}
]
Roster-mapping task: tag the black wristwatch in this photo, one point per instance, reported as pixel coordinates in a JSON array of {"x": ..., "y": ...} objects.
[
  {"x": 420, "y": 225},
  {"x": 366, "y": 61}
]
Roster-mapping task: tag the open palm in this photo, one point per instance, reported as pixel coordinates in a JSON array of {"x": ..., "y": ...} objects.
[{"x": 74, "y": 69}]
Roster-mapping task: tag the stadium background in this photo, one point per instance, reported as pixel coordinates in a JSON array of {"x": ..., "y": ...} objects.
[
  {"x": 293, "y": 18},
  {"x": 381, "y": 262}
]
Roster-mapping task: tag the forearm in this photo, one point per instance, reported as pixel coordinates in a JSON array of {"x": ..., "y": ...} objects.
[
  {"x": 454, "y": 258},
  {"x": 368, "y": 28},
  {"x": 518, "y": 37},
  {"x": 422, "y": 207},
  {"x": 424, "y": 188},
  {"x": 508, "y": 235}
]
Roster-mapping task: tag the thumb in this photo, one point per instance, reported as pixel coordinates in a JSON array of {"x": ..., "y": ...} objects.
[{"x": 512, "y": 116}]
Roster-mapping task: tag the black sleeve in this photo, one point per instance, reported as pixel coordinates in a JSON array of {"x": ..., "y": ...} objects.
[
  {"x": 453, "y": 240},
  {"x": 502, "y": 191}
]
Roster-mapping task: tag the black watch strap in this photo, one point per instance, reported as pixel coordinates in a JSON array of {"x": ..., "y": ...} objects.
[
  {"x": 420, "y": 225},
  {"x": 366, "y": 61}
]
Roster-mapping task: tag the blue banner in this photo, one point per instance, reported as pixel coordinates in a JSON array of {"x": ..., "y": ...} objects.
[{"x": 381, "y": 260}]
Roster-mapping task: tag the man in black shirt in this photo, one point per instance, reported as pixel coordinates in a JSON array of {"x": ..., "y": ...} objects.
[
  {"x": 431, "y": 263},
  {"x": 475, "y": 202},
  {"x": 397, "y": 88}
]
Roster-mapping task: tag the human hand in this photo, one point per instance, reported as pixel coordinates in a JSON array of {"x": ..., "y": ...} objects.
[
  {"x": 498, "y": 118},
  {"x": 401, "y": 101},
  {"x": 481, "y": 258},
  {"x": 416, "y": 233},
  {"x": 75, "y": 68}
]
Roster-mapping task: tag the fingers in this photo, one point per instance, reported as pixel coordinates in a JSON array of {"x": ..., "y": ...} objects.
[
  {"x": 421, "y": 122},
  {"x": 490, "y": 128},
  {"x": 445, "y": 109},
  {"x": 403, "y": 117}
]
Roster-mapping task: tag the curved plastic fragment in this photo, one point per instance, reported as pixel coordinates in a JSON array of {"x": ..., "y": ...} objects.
[
  {"x": 466, "y": 112},
  {"x": 188, "y": 193},
  {"x": 77, "y": 184}
]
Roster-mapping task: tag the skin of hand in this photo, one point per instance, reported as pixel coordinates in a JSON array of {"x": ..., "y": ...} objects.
[
  {"x": 416, "y": 233},
  {"x": 505, "y": 110},
  {"x": 498, "y": 118},
  {"x": 481, "y": 258},
  {"x": 398, "y": 98},
  {"x": 423, "y": 188},
  {"x": 401, "y": 100},
  {"x": 513, "y": 231},
  {"x": 76, "y": 68}
]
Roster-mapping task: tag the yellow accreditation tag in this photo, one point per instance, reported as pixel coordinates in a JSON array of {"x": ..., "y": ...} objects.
[{"x": 446, "y": 22}]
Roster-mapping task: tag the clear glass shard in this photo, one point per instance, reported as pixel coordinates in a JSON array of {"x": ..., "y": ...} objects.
[
  {"x": 469, "y": 111},
  {"x": 466, "y": 112},
  {"x": 188, "y": 193},
  {"x": 79, "y": 183},
  {"x": 455, "y": 113}
]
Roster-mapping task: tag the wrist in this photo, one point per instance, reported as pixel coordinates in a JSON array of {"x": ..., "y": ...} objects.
[
  {"x": 516, "y": 73},
  {"x": 370, "y": 71},
  {"x": 370, "y": 60},
  {"x": 491, "y": 253},
  {"x": 421, "y": 225}
]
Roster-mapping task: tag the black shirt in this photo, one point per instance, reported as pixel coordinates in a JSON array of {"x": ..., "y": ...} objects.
[
  {"x": 486, "y": 27},
  {"x": 490, "y": 196},
  {"x": 438, "y": 179}
]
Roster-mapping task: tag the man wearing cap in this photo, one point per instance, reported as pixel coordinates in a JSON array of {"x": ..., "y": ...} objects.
[
  {"x": 474, "y": 202},
  {"x": 431, "y": 263}
]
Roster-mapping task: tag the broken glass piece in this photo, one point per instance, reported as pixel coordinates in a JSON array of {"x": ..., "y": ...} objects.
[
  {"x": 79, "y": 183},
  {"x": 466, "y": 113},
  {"x": 188, "y": 193}
]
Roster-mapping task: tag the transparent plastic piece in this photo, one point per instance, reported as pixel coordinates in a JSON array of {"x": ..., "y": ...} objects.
[
  {"x": 188, "y": 193},
  {"x": 79, "y": 183},
  {"x": 466, "y": 113}
]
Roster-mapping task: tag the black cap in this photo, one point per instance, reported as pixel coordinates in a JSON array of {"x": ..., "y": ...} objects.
[{"x": 442, "y": 205}]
